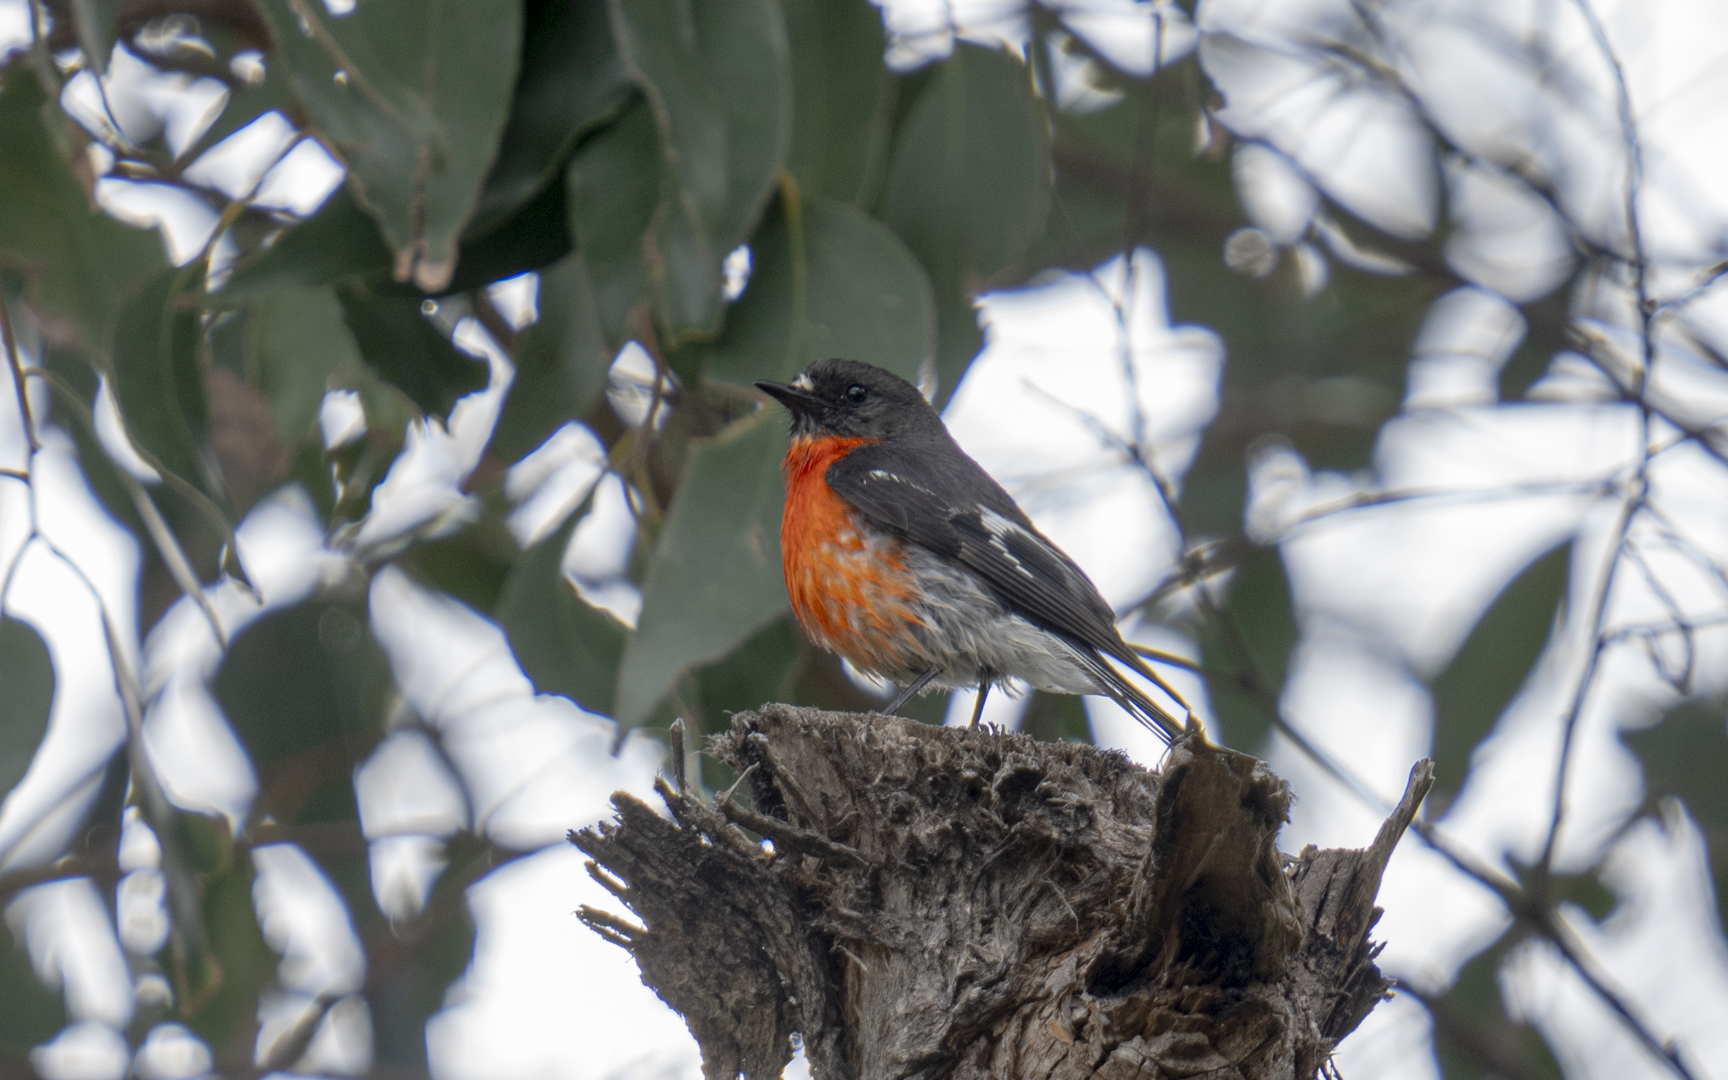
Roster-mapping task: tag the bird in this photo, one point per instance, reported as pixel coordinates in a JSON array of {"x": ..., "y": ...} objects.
[{"x": 905, "y": 557}]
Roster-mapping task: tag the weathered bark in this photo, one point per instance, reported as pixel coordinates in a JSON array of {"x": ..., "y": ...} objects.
[{"x": 941, "y": 903}]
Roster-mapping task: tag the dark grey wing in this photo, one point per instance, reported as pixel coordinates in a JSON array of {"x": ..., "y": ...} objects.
[
  {"x": 957, "y": 511},
  {"x": 960, "y": 513}
]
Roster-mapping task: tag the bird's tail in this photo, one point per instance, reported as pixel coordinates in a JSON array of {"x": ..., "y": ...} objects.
[{"x": 1154, "y": 716}]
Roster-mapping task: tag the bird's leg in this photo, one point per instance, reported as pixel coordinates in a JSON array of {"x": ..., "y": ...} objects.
[
  {"x": 906, "y": 695},
  {"x": 985, "y": 677}
]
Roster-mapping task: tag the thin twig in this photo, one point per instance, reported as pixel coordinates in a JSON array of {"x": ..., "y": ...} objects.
[{"x": 1641, "y": 482}]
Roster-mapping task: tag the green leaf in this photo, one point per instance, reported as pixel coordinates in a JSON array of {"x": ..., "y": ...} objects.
[
  {"x": 570, "y": 83},
  {"x": 759, "y": 671},
  {"x": 79, "y": 263},
  {"x": 99, "y": 469},
  {"x": 1259, "y": 608},
  {"x": 93, "y": 22},
  {"x": 232, "y": 29},
  {"x": 845, "y": 97},
  {"x": 562, "y": 362},
  {"x": 535, "y": 235},
  {"x": 338, "y": 242},
  {"x": 26, "y": 697},
  {"x": 969, "y": 187},
  {"x": 413, "y": 95},
  {"x": 158, "y": 382},
  {"x": 306, "y": 689},
  {"x": 764, "y": 668},
  {"x": 613, "y": 185},
  {"x": 403, "y": 347},
  {"x": 33, "y": 1013},
  {"x": 472, "y": 563},
  {"x": 1685, "y": 756},
  {"x": 301, "y": 342},
  {"x": 718, "y": 78},
  {"x": 865, "y": 297},
  {"x": 236, "y": 944},
  {"x": 564, "y": 645},
  {"x": 715, "y": 577},
  {"x": 408, "y": 985},
  {"x": 1483, "y": 678},
  {"x": 1473, "y": 1039}
]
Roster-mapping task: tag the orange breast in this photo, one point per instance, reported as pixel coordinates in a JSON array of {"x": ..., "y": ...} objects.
[{"x": 849, "y": 585}]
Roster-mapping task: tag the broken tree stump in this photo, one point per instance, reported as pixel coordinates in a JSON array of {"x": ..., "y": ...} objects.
[{"x": 941, "y": 903}]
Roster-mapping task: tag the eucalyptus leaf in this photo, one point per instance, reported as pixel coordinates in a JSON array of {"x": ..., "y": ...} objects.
[
  {"x": 33, "y": 1013},
  {"x": 409, "y": 985},
  {"x": 571, "y": 81},
  {"x": 564, "y": 645},
  {"x": 1684, "y": 755},
  {"x": 158, "y": 383},
  {"x": 864, "y": 297},
  {"x": 845, "y": 97},
  {"x": 613, "y": 185},
  {"x": 718, "y": 78},
  {"x": 301, "y": 341},
  {"x": 968, "y": 187},
  {"x": 715, "y": 578},
  {"x": 413, "y": 94},
  {"x": 401, "y": 345},
  {"x": 78, "y": 263},
  {"x": 237, "y": 945},
  {"x": 26, "y": 698},
  {"x": 241, "y": 28},
  {"x": 93, "y": 22},
  {"x": 1493, "y": 663},
  {"x": 1473, "y": 1031},
  {"x": 305, "y": 689},
  {"x": 1258, "y": 606},
  {"x": 534, "y": 235},
  {"x": 338, "y": 242},
  {"x": 758, "y": 671},
  {"x": 562, "y": 361}
]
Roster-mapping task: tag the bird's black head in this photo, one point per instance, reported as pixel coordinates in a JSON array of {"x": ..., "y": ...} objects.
[{"x": 852, "y": 399}]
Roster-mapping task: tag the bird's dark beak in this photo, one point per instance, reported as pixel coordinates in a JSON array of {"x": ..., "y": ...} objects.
[{"x": 791, "y": 397}]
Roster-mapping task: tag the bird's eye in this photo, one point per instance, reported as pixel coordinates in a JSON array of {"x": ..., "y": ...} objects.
[{"x": 856, "y": 394}]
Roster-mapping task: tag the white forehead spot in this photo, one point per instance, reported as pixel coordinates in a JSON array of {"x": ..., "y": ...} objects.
[{"x": 802, "y": 382}]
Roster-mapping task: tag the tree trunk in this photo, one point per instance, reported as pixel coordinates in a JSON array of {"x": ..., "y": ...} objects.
[{"x": 940, "y": 903}]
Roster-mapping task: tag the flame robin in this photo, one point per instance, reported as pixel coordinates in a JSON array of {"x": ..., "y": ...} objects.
[{"x": 903, "y": 555}]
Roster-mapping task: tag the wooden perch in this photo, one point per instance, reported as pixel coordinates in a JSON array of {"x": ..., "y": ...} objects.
[{"x": 941, "y": 903}]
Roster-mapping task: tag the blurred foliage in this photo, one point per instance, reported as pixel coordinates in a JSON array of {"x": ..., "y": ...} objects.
[
  {"x": 1473, "y": 1037},
  {"x": 26, "y": 696},
  {"x": 968, "y": 189},
  {"x": 306, "y": 689},
  {"x": 1252, "y": 639},
  {"x": 565, "y": 645},
  {"x": 623, "y": 150},
  {"x": 80, "y": 263},
  {"x": 33, "y": 1014},
  {"x": 1492, "y": 665},
  {"x": 1684, "y": 756}
]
